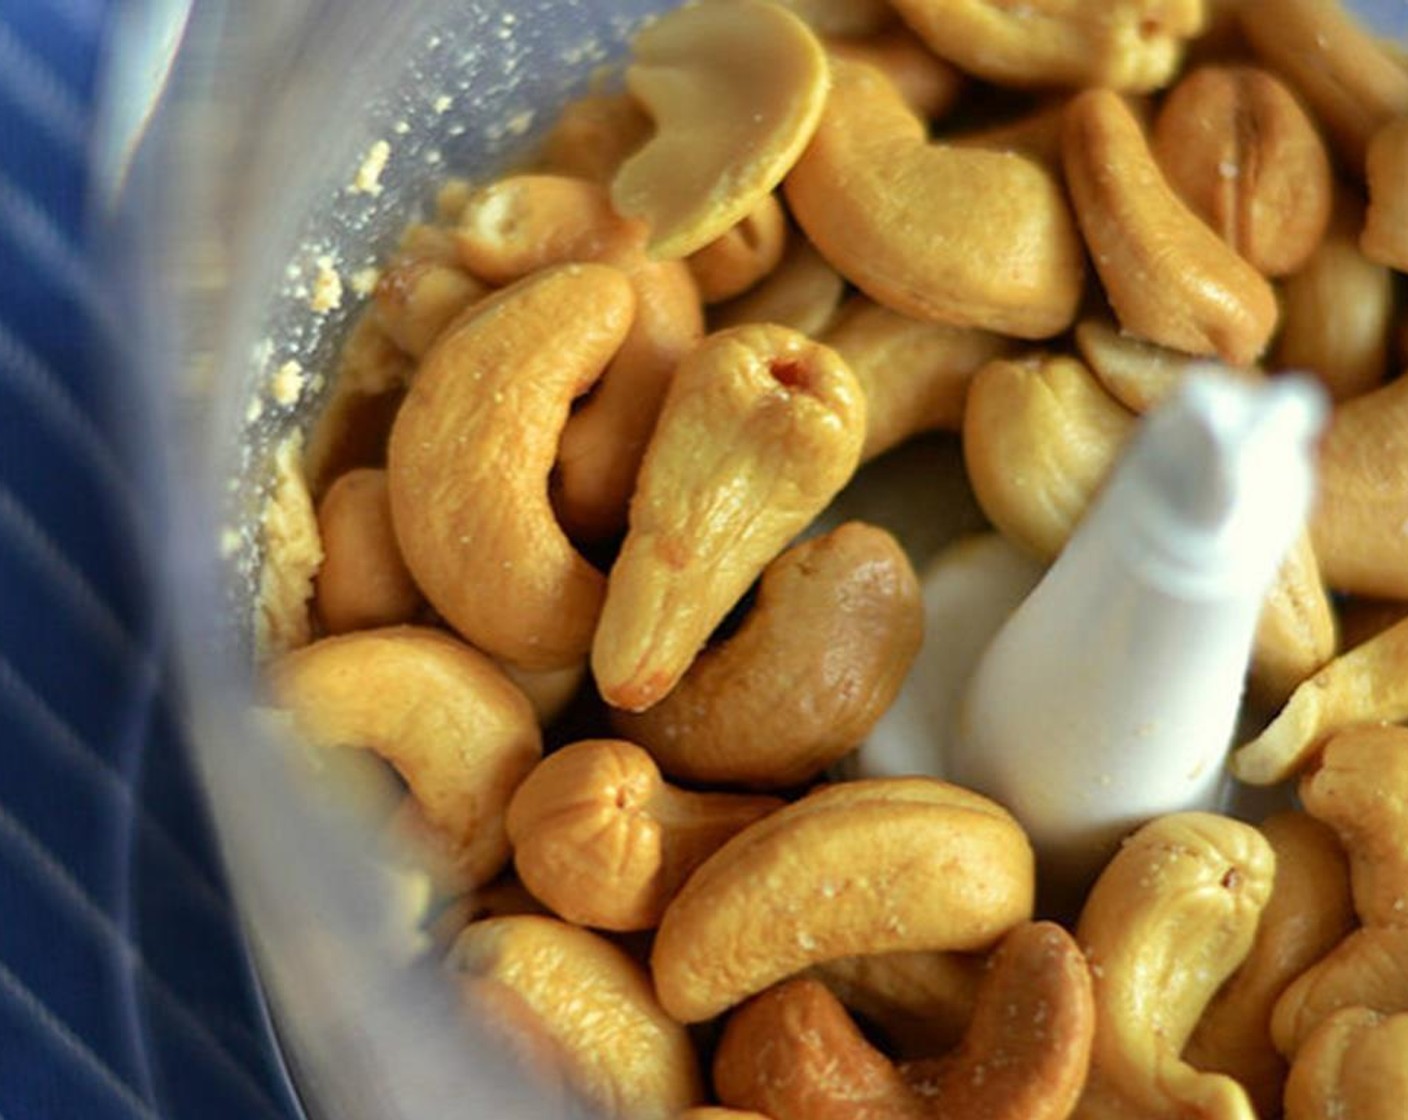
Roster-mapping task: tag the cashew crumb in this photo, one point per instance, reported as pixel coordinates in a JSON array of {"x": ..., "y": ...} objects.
[
  {"x": 364, "y": 281},
  {"x": 442, "y": 103},
  {"x": 286, "y": 385},
  {"x": 230, "y": 541},
  {"x": 293, "y": 552},
  {"x": 368, "y": 180},
  {"x": 327, "y": 288},
  {"x": 254, "y": 411}
]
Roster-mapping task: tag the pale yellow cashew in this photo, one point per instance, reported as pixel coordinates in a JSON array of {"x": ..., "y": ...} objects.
[
  {"x": 1354, "y": 1067},
  {"x": 930, "y": 85},
  {"x": 803, "y": 292},
  {"x": 954, "y": 234},
  {"x": 740, "y": 257},
  {"x": 1369, "y": 968}
]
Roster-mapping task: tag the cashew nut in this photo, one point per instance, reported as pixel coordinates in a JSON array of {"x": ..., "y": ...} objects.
[
  {"x": 1036, "y": 134},
  {"x": 760, "y": 428},
  {"x": 593, "y": 136},
  {"x": 605, "y": 842},
  {"x": 794, "y": 1054},
  {"x": 1241, "y": 152},
  {"x": 1365, "y": 685},
  {"x": 803, "y": 292},
  {"x": 1170, "y": 918},
  {"x": 860, "y": 867},
  {"x": 816, "y": 662},
  {"x": 550, "y": 691},
  {"x": 843, "y": 17},
  {"x": 914, "y": 375},
  {"x": 1385, "y": 239},
  {"x": 470, "y": 455},
  {"x": 1169, "y": 277},
  {"x": 1354, "y": 1067},
  {"x": 1369, "y": 968},
  {"x": 363, "y": 582},
  {"x": 941, "y": 232},
  {"x": 1308, "y": 913},
  {"x": 416, "y": 300},
  {"x": 453, "y": 726},
  {"x": 594, "y": 1007},
  {"x": 1122, "y": 44},
  {"x": 736, "y": 260},
  {"x": 735, "y": 89},
  {"x": 929, "y": 85}
]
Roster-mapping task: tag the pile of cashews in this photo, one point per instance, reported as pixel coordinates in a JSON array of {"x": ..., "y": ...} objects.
[{"x": 566, "y": 576}]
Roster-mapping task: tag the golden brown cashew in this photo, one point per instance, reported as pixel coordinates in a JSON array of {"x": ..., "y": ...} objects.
[
  {"x": 1367, "y": 684},
  {"x": 1170, "y": 918},
  {"x": 593, "y": 135},
  {"x": 1169, "y": 277},
  {"x": 1122, "y": 44},
  {"x": 1369, "y": 968},
  {"x": 760, "y": 429},
  {"x": 802, "y": 292},
  {"x": 868, "y": 866},
  {"x": 735, "y": 89},
  {"x": 594, "y": 1007},
  {"x": 470, "y": 455},
  {"x": 363, "y": 582},
  {"x": 1308, "y": 913},
  {"x": 416, "y": 299},
  {"x": 1347, "y": 79},
  {"x": 740, "y": 257},
  {"x": 929, "y": 85},
  {"x": 914, "y": 375},
  {"x": 816, "y": 663},
  {"x": 600, "y": 837},
  {"x": 441, "y": 713},
  {"x": 1385, "y": 237},
  {"x": 1360, "y": 789},
  {"x": 1354, "y": 1067},
  {"x": 794, "y": 1054},
  {"x": 1241, "y": 152},
  {"x": 940, "y": 232}
]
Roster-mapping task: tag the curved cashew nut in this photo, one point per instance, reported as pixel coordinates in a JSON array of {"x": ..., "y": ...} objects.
[
  {"x": 1354, "y": 1067},
  {"x": 815, "y": 664},
  {"x": 794, "y": 1054},
  {"x": 1308, "y": 913},
  {"x": 470, "y": 456},
  {"x": 550, "y": 691},
  {"x": 958, "y": 235},
  {"x": 363, "y": 582},
  {"x": 588, "y": 1006},
  {"x": 861, "y": 867},
  {"x": 1369, "y": 968},
  {"x": 1168, "y": 276},
  {"x": 454, "y": 727},
  {"x": 760, "y": 429},
  {"x": 600, "y": 837},
  {"x": 735, "y": 89},
  {"x": 802, "y": 292},
  {"x": 1170, "y": 918},
  {"x": 740, "y": 257},
  {"x": 1360, "y": 789}
]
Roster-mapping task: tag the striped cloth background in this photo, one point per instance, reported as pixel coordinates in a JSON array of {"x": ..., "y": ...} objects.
[{"x": 123, "y": 989}]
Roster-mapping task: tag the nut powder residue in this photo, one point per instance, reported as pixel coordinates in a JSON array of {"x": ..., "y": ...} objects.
[
  {"x": 293, "y": 552},
  {"x": 368, "y": 177}
]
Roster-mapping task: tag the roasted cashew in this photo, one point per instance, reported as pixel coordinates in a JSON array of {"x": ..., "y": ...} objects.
[
  {"x": 1367, "y": 684},
  {"x": 470, "y": 456},
  {"x": 497, "y": 899},
  {"x": 815, "y": 664},
  {"x": 593, "y": 136},
  {"x": 859, "y": 867},
  {"x": 794, "y": 1054},
  {"x": 735, "y": 89},
  {"x": 1241, "y": 152},
  {"x": 1385, "y": 239},
  {"x": 803, "y": 292},
  {"x": 1360, "y": 789},
  {"x": 1354, "y": 1067},
  {"x": 760, "y": 429},
  {"x": 601, "y": 838},
  {"x": 363, "y": 582},
  {"x": 1347, "y": 79},
  {"x": 914, "y": 375},
  {"x": 1307, "y": 915},
  {"x": 523, "y": 223},
  {"x": 740, "y": 257},
  {"x": 593, "y": 1005},
  {"x": 929, "y": 85},
  {"x": 1369, "y": 968},
  {"x": 1169, "y": 277},
  {"x": 1170, "y": 918},
  {"x": 1122, "y": 44},
  {"x": 416, "y": 299},
  {"x": 955, "y": 234},
  {"x": 453, "y": 726}
]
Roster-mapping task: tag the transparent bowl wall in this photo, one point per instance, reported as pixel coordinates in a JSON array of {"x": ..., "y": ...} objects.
[{"x": 241, "y": 185}]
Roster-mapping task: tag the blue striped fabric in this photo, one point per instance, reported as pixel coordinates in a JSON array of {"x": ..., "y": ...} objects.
[{"x": 123, "y": 989}]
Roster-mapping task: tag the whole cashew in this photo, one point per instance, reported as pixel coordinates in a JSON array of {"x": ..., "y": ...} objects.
[
  {"x": 600, "y": 837},
  {"x": 1169, "y": 277},
  {"x": 1386, "y": 168},
  {"x": 815, "y": 664},
  {"x": 1170, "y": 918},
  {"x": 593, "y": 136},
  {"x": 929, "y": 85},
  {"x": 940, "y": 232},
  {"x": 470, "y": 455},
  {"x": 803, "y": 292},
  {"x": 760, "y": 429},
  {"x": 1308, "y": 913},
  {"x": 593, "y": 1006},
  {"x": 1369, "y": 968},
  {"x": 794, "y": 1054},
  {"x": 1354, "y": 1067},
  {"x": 363, "y": 582},
  {"x": 740, "y": 257},
  {"x": 735, "y": 89},
  {"x": 1123, "y": 44},
  {"x": 1360, "y": 789},
  {"x": 859, "y": 867},
  {"x": 453, "y": 726}
]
